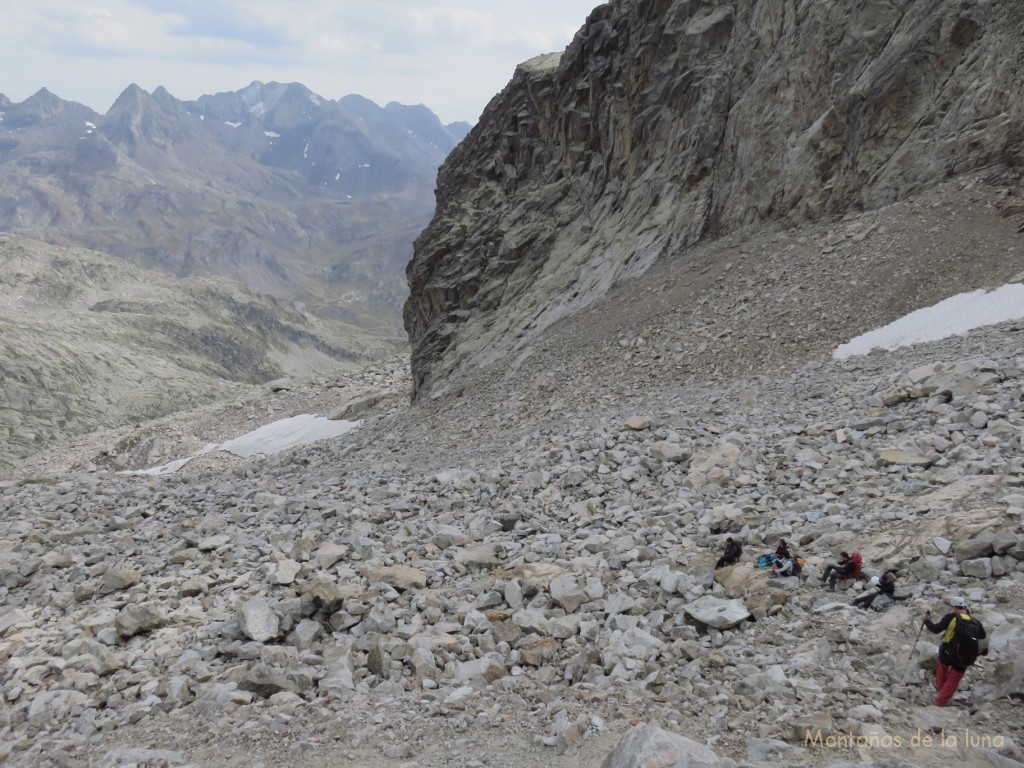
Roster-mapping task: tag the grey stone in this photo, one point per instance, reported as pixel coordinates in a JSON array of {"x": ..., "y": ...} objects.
[
  {"x": 55, "y": 706},
  {"x": 486, "y": 669},
  {"x": 339, "y": 675},
  {"x": 903, "y": 457},
  {"x": 942, "y": 545},
  {"x": 139, "y": 757},
  {"x": 449, "y": 536},
  {"x": 980, "y": 568},
  {"x": 401, "y": 577},
  {"x": 144, "y": 617},
  {"x": 717, "y": 613},
  {"x": 663, "y": 450},
  {"x": 257, "y": 620},
  {"x": 329, "y": 554},
  {"x": 478, "y": 556},
  {"x": 118, "y": 579},
  {"x": 283, "y": 571},
  {"x": 265, "y": 680},
  {"x": 978, "y": 546},
  {"x": 648, "y": 745},
  {"x": 566, "y": 591}
]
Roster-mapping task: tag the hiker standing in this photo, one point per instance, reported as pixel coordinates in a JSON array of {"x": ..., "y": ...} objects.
[
  {"x": 959, "y": 648},
  {"x": 836, "y": 571},
  {"x": 730, "y": 555}
]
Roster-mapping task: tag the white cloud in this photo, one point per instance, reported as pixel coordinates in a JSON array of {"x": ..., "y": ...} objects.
[
  {"x": 477, "y": 24},
  {"x": 452, "y": 55}
]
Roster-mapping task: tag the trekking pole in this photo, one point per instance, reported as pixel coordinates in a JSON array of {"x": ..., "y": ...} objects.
[{"x": 914, "y": 648}]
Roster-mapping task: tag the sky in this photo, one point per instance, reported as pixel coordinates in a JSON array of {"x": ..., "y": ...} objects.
[{"x": 451, "y": 55}]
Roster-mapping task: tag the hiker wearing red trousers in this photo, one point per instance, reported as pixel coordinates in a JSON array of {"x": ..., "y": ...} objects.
[{"x": 956, "y": 654}]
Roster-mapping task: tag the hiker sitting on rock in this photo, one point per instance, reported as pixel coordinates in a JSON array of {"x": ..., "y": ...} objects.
[
  {"x": 787, "y": 566},
  {"x": 731, "y": 554},
  {"x": 959, "y": 648},
  {"x": 885, "y": 595},
  {"x": 836, "y": 571},
  {"x": 771, "y": 559}
]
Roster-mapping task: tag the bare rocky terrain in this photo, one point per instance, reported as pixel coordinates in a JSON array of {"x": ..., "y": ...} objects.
[
  {"x": 89, "y": 342},
  {"x": 519, "y": 571},
  {"x": 622, "y": 321}
]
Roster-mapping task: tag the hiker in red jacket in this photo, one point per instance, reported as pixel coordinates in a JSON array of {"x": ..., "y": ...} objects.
[{"x": 959, "y": 648}]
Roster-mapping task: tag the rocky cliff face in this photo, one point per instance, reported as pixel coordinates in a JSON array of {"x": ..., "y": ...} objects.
[{"x": 666, "y": 123}]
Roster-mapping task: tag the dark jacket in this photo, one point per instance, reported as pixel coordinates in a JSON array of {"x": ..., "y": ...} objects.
[
  {"x": 947, "y": 650},
  {"x": 732, "y": 552},
  {"x": 887, "y": 587},
  {"x": 782, "y": 551},
  {"x": 846, "y": 569}
]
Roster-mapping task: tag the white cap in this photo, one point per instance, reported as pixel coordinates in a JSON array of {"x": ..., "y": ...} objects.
[
  {"x": 874, "y": 581},
  {"x": 958, "y": 602}
]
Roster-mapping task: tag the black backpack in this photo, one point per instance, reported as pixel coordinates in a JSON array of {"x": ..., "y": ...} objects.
[{"x": 966, "y": 633}]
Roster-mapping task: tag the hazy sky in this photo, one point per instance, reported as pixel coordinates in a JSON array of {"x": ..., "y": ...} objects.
[{"x": 451, "y": 55}]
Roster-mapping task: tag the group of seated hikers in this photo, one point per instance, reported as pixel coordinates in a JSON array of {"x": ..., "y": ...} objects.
[{"x": 783, "y": 563}]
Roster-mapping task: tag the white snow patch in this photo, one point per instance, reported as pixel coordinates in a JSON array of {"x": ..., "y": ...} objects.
[
  {"x": 233, "y": 125},
  {"x": 364, "y": 165},
  {"x": 287, "y": 433},
  {"x": 337, "y": 176},
  {"x": 89, "y": 125},
  {"x": 315, "y": 99},
  {"x": 956, "y": 315},
  {"x": 305, "y": 151},
  {"x": 172, "y": 466},
  {"x": 269, "y": 439},
  {"x": 272, "y": 135}
]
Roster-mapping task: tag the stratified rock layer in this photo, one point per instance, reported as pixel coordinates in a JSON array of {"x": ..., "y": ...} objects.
[{"x": 665, "y": 123}]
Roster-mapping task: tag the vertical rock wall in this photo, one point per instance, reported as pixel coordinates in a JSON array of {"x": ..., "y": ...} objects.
[{"x": 669, "y": 121}]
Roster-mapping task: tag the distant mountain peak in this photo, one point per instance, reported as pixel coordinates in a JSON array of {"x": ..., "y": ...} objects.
[
  {"x": 44, "y": 106},
  {"x": 256, "y": 184},
  {"x": 133, "y": 91}
]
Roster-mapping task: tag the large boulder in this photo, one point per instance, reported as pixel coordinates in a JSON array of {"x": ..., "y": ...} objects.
[
  {"x": 647, "y": 746},
  {"x": 136, "y": 619},
  {"x": 717, "y": 613},
  {"x": 257, "y": 620}
]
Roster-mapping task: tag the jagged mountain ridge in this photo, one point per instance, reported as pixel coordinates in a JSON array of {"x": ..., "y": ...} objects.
[
  {"x": 665, "y": 124},
  {"x": 280, "y": 189}
]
